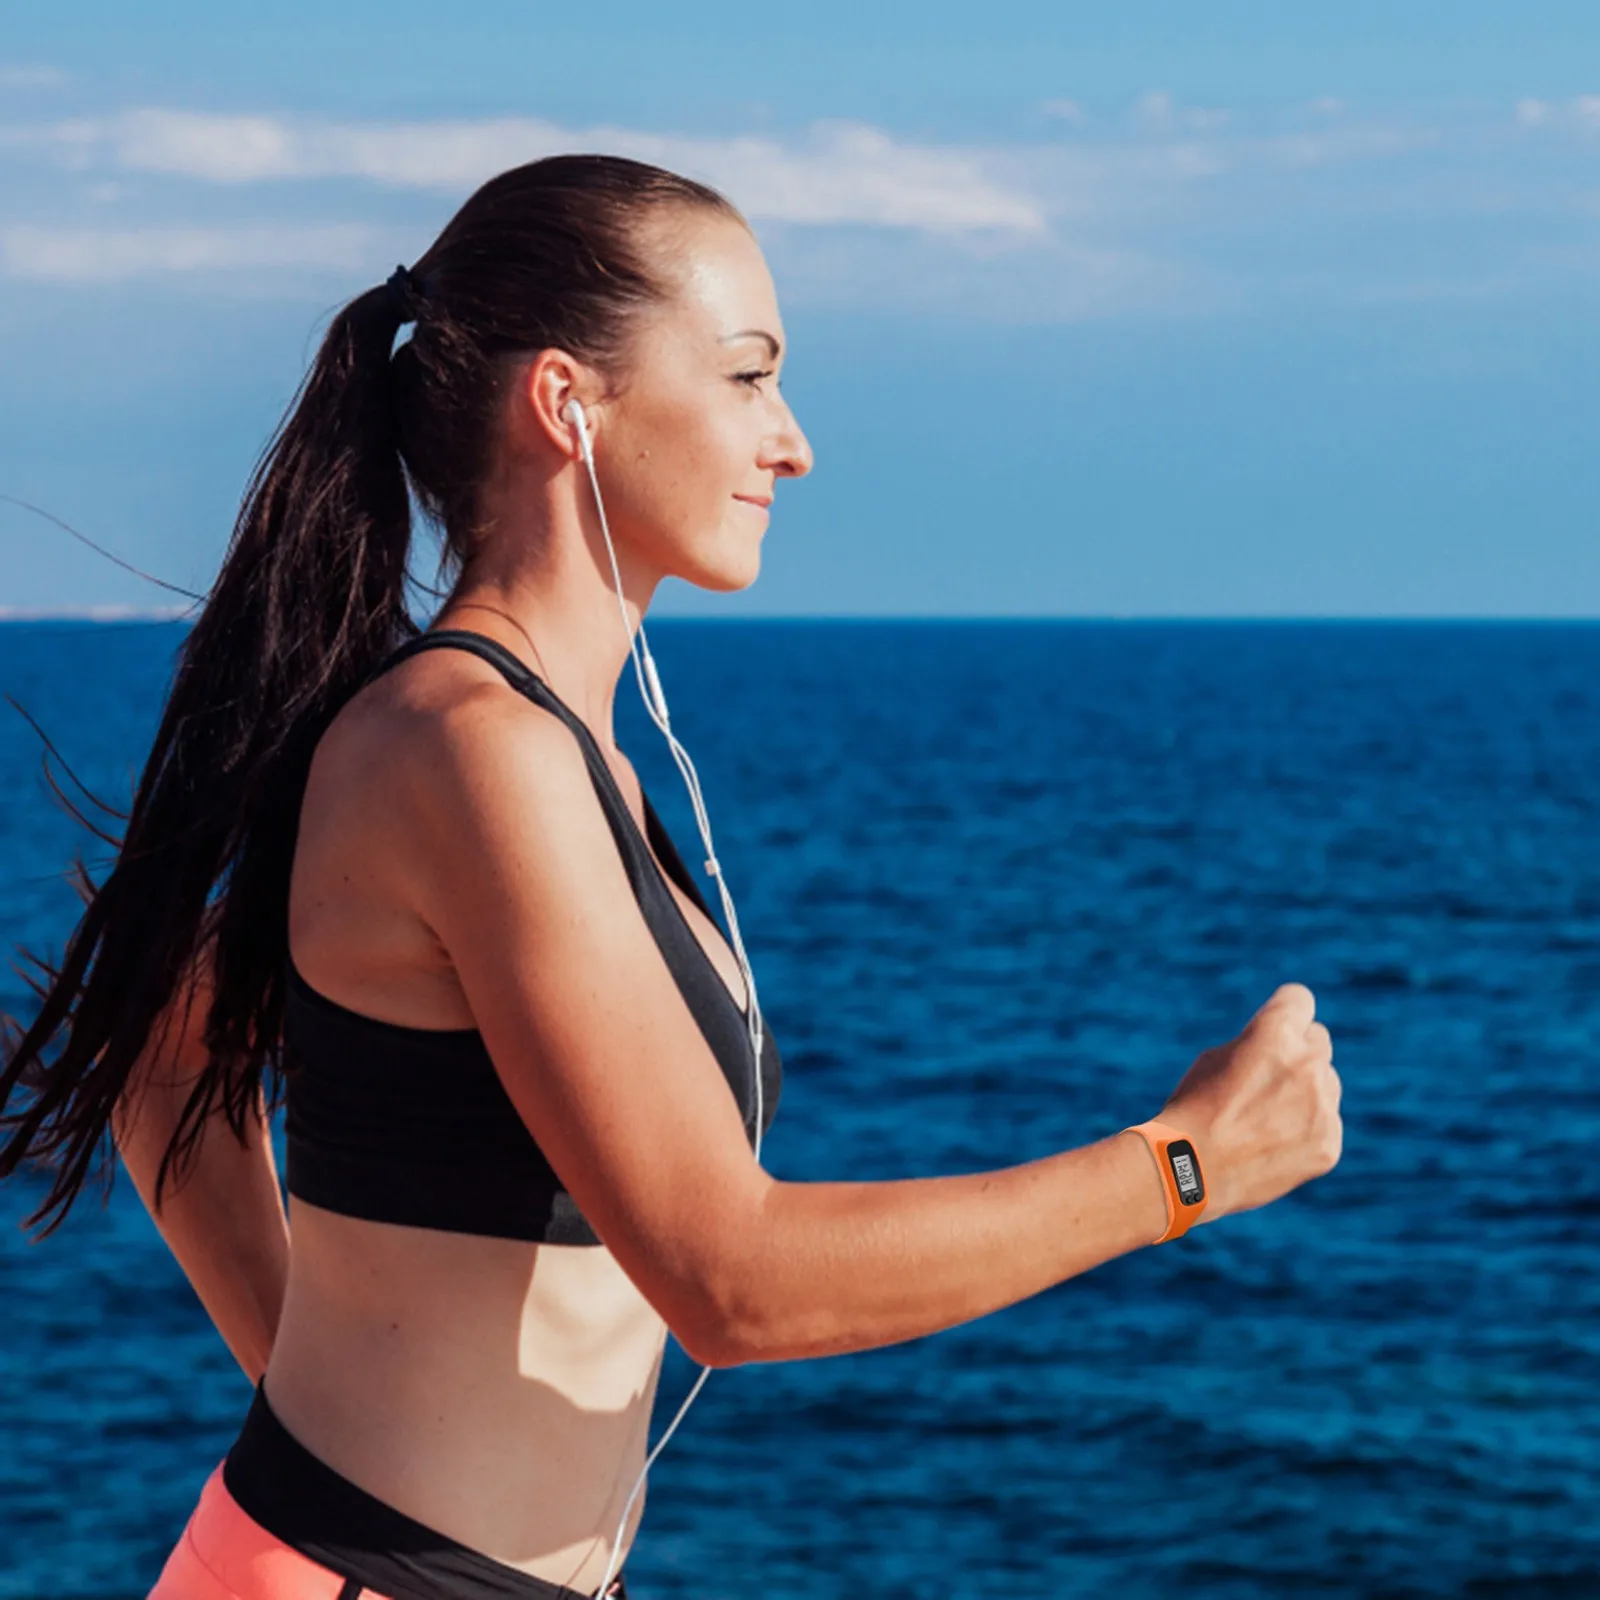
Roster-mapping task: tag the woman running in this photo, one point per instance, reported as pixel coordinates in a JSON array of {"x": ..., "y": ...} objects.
[{"x": 409, "y": 882}]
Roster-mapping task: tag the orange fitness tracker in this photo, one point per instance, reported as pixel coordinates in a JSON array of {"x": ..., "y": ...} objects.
[{"x": 1181, "y": 1180}]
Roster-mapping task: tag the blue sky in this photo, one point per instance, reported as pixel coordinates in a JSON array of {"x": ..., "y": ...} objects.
[{"x": 1149, "y": 309}]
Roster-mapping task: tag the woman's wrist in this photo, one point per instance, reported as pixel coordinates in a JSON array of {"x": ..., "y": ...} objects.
[
  {"x": 1152, "y": 1187},
  {"x": 1186, "y": 1184}
]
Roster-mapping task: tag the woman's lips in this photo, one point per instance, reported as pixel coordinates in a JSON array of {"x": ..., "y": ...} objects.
[{"x": 755, "y": 500}]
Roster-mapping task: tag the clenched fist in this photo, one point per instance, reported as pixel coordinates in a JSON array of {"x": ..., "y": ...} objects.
[{"x": 1263, "y": 1110}]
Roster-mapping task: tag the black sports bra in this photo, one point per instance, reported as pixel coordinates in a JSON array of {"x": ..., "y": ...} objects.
[{"x": 412, "y": 1125}]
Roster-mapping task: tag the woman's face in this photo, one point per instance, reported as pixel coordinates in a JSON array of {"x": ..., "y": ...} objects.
[{"x": 690, "y": 443}]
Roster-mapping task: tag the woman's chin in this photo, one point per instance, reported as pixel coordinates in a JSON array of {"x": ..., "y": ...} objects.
[
  {"x": 731, "y": 583},
  {"x": 736, "y": 565}
]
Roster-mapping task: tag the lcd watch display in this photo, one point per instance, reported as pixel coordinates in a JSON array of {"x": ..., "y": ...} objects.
[{"x": 1186, "y": 1172}]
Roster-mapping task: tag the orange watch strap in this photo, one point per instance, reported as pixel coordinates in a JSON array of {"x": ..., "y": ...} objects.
[{"x": 1180, "y": 1217}]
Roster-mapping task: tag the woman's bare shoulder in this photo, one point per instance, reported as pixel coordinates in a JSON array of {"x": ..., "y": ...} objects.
[
  {"x": 440, "y": 708},
  {"x": 426, "y": 777}
]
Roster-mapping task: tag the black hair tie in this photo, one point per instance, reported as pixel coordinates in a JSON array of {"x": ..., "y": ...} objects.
[{"x": 405, "y": 294}]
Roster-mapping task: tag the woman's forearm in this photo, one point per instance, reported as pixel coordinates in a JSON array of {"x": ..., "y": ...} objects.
[
  {"x": 835, "y": 1267},
  {"x": 224, "y": 1223},
  {"x": 224, "y": 1220}
]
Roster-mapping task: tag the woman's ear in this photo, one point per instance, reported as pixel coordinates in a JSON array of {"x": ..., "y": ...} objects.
[{"x": 551, "y": 382}]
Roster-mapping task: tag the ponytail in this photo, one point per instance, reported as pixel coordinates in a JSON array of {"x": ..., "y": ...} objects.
[{"x": 311, "y": 596}]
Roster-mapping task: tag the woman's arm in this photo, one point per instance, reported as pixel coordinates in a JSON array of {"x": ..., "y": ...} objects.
[
  {"x": 224, "y": 1220},
  {"x": 517, "y": 872},
  {"x": 827, "y": 1268},
  {"x": 1264, "y": 1108},
  {"x": 515, "y": 868}
]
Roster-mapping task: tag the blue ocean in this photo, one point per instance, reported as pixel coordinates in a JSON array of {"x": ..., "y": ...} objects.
[{"x": 1001, "y": 882}]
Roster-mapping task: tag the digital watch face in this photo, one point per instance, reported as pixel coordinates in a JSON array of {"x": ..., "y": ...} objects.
[{"x": 1186, "y": 1169}]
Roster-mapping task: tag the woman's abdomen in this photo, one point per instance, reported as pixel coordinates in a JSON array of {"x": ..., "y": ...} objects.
[{"x": 495, "y": 1390}]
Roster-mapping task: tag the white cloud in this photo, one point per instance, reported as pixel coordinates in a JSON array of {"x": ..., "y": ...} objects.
[
  {"x": 1065, "y": 111},
  {"x": 104, "y": 255},
  {"x": 1582, "y": 112},
  {"x": 1159, "y": 112},
  {"x": 1176, "y": 210},
  {"x": 843, "y": 173},
  {"x": 1155, "y": 109},
  {"x": 1343, "y": 145},
  {"x": 1058, "y": 281},
  {"x": 18, "y": 76}
]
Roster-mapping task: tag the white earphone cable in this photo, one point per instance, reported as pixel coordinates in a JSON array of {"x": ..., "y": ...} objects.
[{"x": 655, "y": 702}]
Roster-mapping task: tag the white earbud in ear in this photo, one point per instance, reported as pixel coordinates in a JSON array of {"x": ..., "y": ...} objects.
[{"x": 574, "y": 414}]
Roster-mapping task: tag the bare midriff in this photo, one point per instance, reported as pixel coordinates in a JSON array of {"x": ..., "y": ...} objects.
[{"x": 495, "y": 1390}]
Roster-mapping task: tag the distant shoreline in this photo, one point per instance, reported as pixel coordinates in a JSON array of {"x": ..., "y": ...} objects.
[{"x": 96, "y": 614}]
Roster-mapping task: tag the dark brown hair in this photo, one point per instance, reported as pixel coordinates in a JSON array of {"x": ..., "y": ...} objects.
[{"x": 311, "y": 596}]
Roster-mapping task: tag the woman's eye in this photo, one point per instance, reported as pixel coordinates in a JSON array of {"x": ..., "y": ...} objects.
[{"x": 752, "y": 378}]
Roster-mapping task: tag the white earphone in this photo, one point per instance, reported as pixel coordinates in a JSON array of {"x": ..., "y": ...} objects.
[{"x": 655, "y": 701}]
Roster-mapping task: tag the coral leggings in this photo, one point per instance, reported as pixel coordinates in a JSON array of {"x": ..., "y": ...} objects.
[{"x": 223, "y": 1555}]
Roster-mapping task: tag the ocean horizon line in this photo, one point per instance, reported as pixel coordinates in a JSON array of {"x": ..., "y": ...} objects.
[{"x": 25, "y": 615}]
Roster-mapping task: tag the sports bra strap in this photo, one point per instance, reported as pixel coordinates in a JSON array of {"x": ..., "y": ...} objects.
[
  {"x": 521, "y": 678},
  {"x": 477, "y": 644},
  {"x": 527, "y": 682}
]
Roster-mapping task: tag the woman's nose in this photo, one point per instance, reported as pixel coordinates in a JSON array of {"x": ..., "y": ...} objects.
[{"x": 789, "y": 451}]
